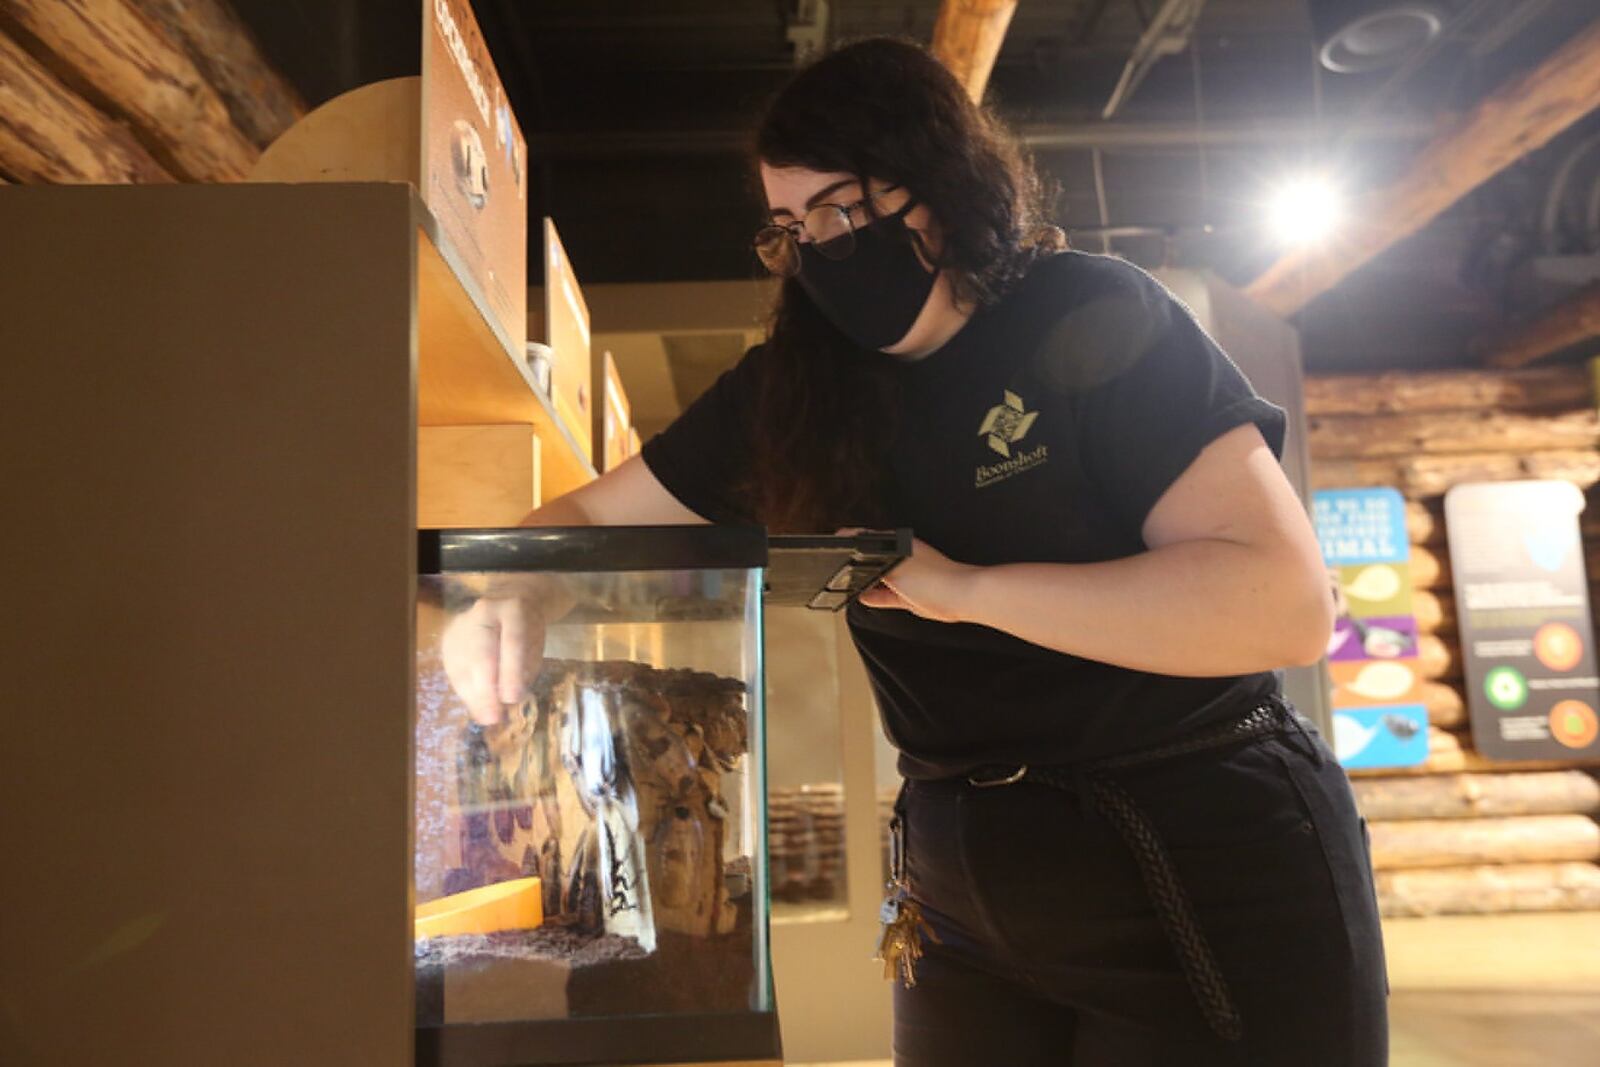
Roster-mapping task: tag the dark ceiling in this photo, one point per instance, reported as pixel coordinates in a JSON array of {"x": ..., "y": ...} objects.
[{"x": 636, "y": 113}]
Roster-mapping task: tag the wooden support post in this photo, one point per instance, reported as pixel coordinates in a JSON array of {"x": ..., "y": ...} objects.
[
  {"x": 261, "y": 101},
  {"x": 126, "y": 59},
  {"x": 1573, "y": 321},
  {"x": 48, "y": 133},
  {"x": 1410, "y": 392},
  {"x": 1503, "y": 128},
  {"x": 967, "y": 37}
]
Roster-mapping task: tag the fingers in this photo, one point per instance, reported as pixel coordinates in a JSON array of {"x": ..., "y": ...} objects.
[
  {"x": 470, "y": 649},
  {"x": 884, "y": 596},
  {"x": 513, "y": 675},
  {"x": 492, "y": 653}
]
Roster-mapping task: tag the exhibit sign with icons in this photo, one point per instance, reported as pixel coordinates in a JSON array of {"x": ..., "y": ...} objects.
[
  {"x": 1379, "y": 718},
  {"x": 475, "y": 165},
  {"x": 1527, "y": 642}
]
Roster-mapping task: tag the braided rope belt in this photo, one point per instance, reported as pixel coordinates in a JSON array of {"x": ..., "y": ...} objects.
[{"x": 1107, "y": 798}]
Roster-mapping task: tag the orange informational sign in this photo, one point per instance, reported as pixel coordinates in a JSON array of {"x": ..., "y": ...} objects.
[
  {"x": 566, "y": 327},
  {"x": 613, "y": 419},
  {"x": 475, "y": 165}
]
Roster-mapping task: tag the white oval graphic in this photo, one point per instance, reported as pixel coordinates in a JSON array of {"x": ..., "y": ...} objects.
[
  {"x": 1375, "y": 583},
  {"x": 1381, "y": 681}
]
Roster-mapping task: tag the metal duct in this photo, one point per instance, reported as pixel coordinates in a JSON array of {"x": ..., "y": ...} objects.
[{"x": 1354, "y": 36}]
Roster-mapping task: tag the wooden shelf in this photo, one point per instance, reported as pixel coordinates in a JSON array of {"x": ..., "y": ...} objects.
[{"x": 469, "y": 375}]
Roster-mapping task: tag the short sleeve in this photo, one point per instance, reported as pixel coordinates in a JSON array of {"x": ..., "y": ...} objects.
[
  {"x": 703, "y": 457},
  {"x": 1151, "y": 389}
]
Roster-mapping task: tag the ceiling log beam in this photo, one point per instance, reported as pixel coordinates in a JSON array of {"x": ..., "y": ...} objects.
[
  {"x": 967, "y": 37},
  {"x": 119, "y": 54},
  {"x": 48, "y": 133},
  {"x": 1511, "y": 122},
  {"x": 261, "y": 101},
  {"x": 1573, "y": 321}
]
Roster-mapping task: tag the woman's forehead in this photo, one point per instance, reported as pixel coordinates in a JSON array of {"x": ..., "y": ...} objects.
[{"x": 793, "y": 190}]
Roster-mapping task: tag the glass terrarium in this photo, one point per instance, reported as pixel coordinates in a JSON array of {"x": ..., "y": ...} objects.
[{"x": 590, "y": 867}]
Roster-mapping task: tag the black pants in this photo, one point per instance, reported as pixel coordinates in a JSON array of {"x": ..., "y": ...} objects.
[{"x": 1051, "y": 952}]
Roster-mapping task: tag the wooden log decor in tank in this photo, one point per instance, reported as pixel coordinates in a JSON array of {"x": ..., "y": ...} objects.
[{"x": 607, "y": 784}]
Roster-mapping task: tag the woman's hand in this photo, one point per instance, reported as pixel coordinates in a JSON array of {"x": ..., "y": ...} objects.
[
  {"x": 492, "y": 653},
  {"x": 928, "y": 584}
]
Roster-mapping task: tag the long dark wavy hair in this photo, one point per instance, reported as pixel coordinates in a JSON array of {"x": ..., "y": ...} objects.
[{"x": 886, "y": 109}]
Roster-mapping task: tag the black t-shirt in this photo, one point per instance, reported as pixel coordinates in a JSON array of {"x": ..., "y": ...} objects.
[{"x": 1044, "y": 431}]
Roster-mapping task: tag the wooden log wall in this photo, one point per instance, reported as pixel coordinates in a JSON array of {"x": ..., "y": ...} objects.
[
  {"x": 1460, "y": 834},
  {"x": 130, "y": 91}
]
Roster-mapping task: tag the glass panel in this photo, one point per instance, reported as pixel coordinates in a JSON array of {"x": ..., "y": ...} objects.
[
  {"x": 805, "y": 795},
  {"x": 596, "y": 852}
]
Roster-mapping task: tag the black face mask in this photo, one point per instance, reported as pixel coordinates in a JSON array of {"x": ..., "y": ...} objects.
[{"x": 874, "y": 294}]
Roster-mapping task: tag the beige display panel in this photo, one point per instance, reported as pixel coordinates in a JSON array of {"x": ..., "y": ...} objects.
[{"x": 206, "y": 770}]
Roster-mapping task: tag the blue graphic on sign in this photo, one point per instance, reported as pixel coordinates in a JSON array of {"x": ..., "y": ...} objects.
[
  {"x": 1381, "y": 737},
  {"x": 1361, "y": 526}
]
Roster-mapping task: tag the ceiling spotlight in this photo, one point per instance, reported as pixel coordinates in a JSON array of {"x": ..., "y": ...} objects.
[{"x": 1305, "y": 211}]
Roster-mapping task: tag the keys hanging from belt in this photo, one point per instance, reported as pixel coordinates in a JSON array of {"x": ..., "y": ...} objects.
[{"x": 904, "y": 925}]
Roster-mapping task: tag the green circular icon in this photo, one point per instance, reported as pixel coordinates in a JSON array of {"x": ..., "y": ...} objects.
[{"x": 1506, "y": 688}]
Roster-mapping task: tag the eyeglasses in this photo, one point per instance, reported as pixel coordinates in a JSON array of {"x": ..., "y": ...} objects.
[{"x": 830, "y": 229}]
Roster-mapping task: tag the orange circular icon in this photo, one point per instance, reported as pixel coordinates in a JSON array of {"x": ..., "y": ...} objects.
[
  {"x": 1558, "y": 646},
  {"x": 1573, "y": 723}
]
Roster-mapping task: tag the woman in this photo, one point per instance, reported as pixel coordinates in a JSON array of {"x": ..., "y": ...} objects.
[{"x": 1127, "y": 850}]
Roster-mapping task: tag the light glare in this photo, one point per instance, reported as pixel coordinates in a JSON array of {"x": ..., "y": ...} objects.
[{"x": 1305, "y": 211}]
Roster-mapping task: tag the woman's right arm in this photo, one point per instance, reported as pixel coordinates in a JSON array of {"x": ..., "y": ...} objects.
[
  {"x": 627, "y": 496},
  {"x": 493, "y": 651}
]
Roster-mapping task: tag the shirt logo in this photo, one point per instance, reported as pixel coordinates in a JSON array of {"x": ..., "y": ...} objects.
[
  {"x": 1007, "y": 423},
  {"x": 1004, "y": 426}
]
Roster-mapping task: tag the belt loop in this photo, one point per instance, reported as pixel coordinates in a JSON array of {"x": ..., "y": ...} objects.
[
  {"x": 897, "y": 850},
  {"x": 1010, "y": 779},
  {"x": 1297, "y": 723}
]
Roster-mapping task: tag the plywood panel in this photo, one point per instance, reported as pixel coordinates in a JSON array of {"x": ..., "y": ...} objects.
[
  {"x": 476, "y": 475},
  {"x": 205, "y": 776},
  {"x": 467, "y": 376}
]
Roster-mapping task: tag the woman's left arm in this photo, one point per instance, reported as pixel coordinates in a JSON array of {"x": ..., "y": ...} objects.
[{"x": 1232, "y": 582}]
